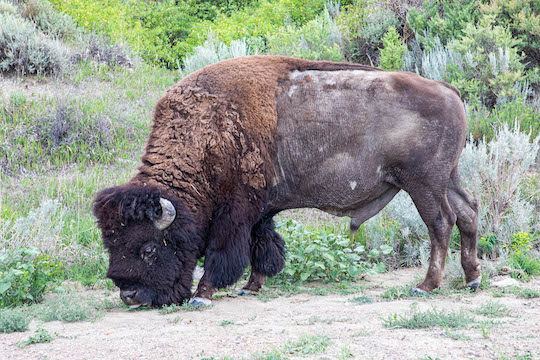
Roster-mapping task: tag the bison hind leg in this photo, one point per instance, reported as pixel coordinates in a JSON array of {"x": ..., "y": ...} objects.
[
  {"x": 466, "y": 209},
  {"x": 268, "y": 248},
  {"x": 267, "y": 254}
]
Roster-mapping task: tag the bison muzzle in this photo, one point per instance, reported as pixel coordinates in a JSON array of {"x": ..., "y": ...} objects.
[{"x": 239, "y": 141}]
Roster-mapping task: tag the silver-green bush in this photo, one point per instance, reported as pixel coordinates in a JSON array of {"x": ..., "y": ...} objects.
[
  {"x": 319, "y": 39},
  {"x": 13, "y": 320},
  {"x": 494, "y": 172},
  {"x": 54, "y": 23},
  {"x": 214, "y": 51},
  {"x": 25, "y": 49}
]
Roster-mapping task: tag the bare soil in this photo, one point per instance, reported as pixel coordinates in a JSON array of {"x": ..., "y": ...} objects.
[{"x": 241, "y": 327}]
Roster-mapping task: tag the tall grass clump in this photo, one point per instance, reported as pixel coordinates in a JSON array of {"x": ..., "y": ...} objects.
[
  {"x": 25, "y": 49},
  {"x": 214, "y": 51},
  {"x": 416, "y": 319}
]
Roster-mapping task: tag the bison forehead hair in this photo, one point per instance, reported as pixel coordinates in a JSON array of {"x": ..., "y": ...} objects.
[{"x": 153, "y": 265}]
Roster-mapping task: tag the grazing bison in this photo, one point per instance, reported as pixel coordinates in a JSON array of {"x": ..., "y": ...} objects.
[{"x": 239, "y": 141}]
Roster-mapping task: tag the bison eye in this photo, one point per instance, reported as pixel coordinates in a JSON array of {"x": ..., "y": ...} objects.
[{"x": 148, "y": 251}]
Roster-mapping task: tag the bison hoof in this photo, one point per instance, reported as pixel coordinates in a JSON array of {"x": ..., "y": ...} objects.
[
  {"x": 418, "y": 292},
  {"x": 245, "y": 292},
  {"x": 473, "y": 285},
  {"x": 198, "y": 301}
]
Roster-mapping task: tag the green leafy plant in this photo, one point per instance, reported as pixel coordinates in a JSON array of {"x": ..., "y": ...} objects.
[
  {"x": 25, "y": 273},
  {"x": 41, "y": 335},
  {"x": 521, "y": 256},
  {"x": 315, "y": 254},
  {"x": 392, "y": 54}
]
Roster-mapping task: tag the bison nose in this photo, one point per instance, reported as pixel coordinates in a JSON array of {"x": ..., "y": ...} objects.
[{"x": 127, "y": 296}]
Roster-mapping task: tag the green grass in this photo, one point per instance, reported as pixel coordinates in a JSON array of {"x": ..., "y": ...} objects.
[
  {"x": 307, "y": 345},
  {"x": 361, "y": 300},
  {"x": 227, "y": 322},
  {"x": 415, "y": 319},
  {"x": 12, "y": 320},
  {"x": 494, "y": 309}
]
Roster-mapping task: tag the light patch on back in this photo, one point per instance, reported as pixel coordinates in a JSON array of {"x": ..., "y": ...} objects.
[
  {"x": 291, "y": 91},
  {"x": 360, "y": 79},
  {"x": 353, "y": 185}
]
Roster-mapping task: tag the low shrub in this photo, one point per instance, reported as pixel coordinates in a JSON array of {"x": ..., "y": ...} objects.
[
  {"x": 25, "y": 49},
  {"x": 7, "y": 7},
  {"x": 12, "y": 320},
  {"x": 433, "y": 63},
  {"x": 97, "y": 48},
  {"x": 352, "y": 21},
  {"x": 49, "y": 21},
  {"x": 25, "y": 274},
  {"x": 319, "y": 39},
  {"x": 56, "y": 132}
]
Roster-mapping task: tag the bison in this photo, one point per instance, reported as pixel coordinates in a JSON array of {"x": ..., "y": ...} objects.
[{"x": 235, "y": 143}]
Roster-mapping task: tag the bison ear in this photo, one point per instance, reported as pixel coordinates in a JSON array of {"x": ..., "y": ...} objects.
[{"x": 120, "y": 204}]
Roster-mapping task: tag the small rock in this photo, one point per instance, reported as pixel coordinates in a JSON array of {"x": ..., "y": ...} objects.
[
  {"x": 108, "y": 332},
  {"x": 505, "y": 283}
]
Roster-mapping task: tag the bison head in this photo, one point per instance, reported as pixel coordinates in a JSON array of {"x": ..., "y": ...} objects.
[{"x": 152, "y": 243}]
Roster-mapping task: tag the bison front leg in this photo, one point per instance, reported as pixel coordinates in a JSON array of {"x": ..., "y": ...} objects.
[
  {"x": 204, "y": 293},
  {"x": 227, "y": 253},
  {"x": 267, "y": 254}
]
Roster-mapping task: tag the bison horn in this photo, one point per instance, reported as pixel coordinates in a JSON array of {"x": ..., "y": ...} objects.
[{"x": 168, "y": 214}]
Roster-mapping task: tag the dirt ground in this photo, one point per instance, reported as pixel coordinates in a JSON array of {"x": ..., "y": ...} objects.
[{"x": 241, "y": 327}]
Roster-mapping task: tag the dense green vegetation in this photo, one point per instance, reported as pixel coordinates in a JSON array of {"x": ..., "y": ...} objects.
[{"x": 80, "y": 79}]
